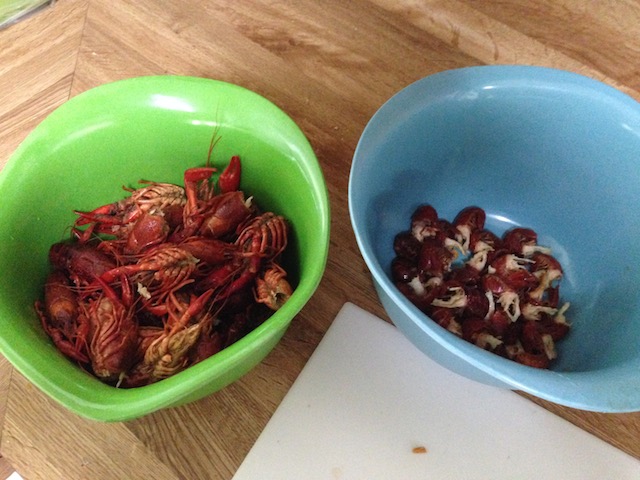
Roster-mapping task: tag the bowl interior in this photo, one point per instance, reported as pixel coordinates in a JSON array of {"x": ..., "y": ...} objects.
[
  {"x": 149, "y": 128},
  {"x": 534, "y": 147}
]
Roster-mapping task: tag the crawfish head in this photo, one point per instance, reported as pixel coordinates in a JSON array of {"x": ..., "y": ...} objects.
[
  {"x": 481, "y": 240},
  {"x": 547, "y": 270},
  {"x": 513, "y": 270},
  {"x": 403, "y": 269},
  {"x": 536, "y": 342},
  {"x": 522, "y": 241},
  {"x": 506, "y": 296},
  {"x": 466, "y": 222},
  {"x": 265, "y": 235},
  {"x": 499, "y": 322},
  {"x": 473, "y": 327},
  {"x": 81, "y": 261},
  {"x": 154, "y": 198},
  {"x": 210, "y": 251},
  {"x": 434, "y": 259},
  {"x": 60, "y": 301},
  {"x": 406, "y": 245},
  {"x": 197, "y": 186},
  {"x": 478, "y": 303},
  {"x": 445, "y": 318},
  {"x": 188, "y": 309},
  {"x": 148, "y": 230},
  {"x": 168, "y": 354},
  {"x": 424, "y": 222},
  {"x": 224, "y": 213},
  {"x": 453, "y": 297},
  {"x": 422, "y": 294}
]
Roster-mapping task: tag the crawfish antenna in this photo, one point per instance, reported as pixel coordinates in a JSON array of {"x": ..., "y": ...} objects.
[{"x": 214, "y": 140}]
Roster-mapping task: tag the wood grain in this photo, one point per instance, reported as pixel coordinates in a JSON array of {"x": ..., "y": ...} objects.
[
  {"x": 5, "y": 380},
  {"x": 37, "y": 62},
  {"x": 330, "y": 65},
  {"x": 43, "y": 441},
  {"x": 5, "y": 469}
]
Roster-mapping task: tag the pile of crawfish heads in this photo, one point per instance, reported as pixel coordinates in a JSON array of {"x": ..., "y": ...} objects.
[
  {"x": 164, "y": 278},
  {"x": 500, "y": 293}
]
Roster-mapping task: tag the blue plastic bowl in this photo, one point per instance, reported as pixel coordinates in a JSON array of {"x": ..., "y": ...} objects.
[{"x": 534, "y": 147}]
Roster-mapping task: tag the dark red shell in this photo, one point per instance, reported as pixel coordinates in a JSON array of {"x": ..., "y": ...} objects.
[
  {"x": 83, "y": 262},
  {"x": 515, "y": 239},
  {"x": 406, "y": 245},
  {"x": 403, "y": 270},
  {"x": 425, "y": 214},
  {"x": 148, "y": 230},
  {"x": 471, "y": 217},
  {"x": 434, "y": 259}
]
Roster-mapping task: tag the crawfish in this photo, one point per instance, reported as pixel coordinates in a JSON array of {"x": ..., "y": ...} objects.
[
  {"x": 215, "y": 218},
  {"x": 445, "y": 317},
  {"x": 206, "y": 213},
  {"x": 160, "y": 271},
  {"x": 434, "y": 259},
  {"x": 62, "y": 319},
  {"x": 513, "y": 270},
  {"x": 167, "y": 352},
  {"x": 113, "y": 332},
  {"x": 260, "y": 240},
  {"x": 165, "y": 199},
  {"x": 266, "y": 235},
  {"x": 272, "y": 289},
  {"x": 484, "y": 246}
]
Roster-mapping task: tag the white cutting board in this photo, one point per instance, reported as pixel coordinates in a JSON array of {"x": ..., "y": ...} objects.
[{"x": 367, "y": 397}]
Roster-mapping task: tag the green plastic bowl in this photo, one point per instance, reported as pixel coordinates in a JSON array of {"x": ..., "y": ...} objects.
[{"x": 117, "y": 134}]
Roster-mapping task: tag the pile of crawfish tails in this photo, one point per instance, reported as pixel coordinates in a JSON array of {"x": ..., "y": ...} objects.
[
  {"x": 164, "y": 278},
  {"x": 500, "y": 293}
]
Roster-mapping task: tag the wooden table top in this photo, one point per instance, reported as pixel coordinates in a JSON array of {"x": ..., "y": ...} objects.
[{"x": 330, "y": 65}]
